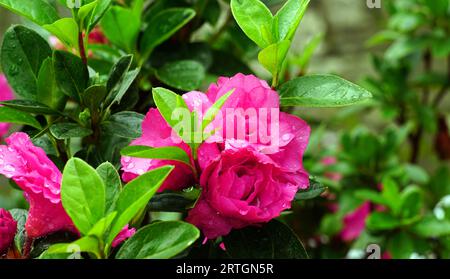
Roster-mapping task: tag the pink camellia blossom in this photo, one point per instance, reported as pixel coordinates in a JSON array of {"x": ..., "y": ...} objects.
[
  {"x": 243, "y": 187},
  {"x": 40, "y": 180},
  {"x": 355, "y": 222},
  {"x": 124, "y": 234},
  {"x": 245, "y": 179},
  {"x": 6, "y": 94},
  {"x": 8, "y": 228},
  {"x": 157, "y": 133}
]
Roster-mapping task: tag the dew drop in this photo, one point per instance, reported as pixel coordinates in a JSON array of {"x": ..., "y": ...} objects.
[
  {"x": 10, "y": 168},
  {"x": 130, "y": 166}
]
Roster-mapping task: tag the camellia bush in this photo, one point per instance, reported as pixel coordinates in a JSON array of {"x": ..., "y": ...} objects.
[{"x": 139, "y": 131}]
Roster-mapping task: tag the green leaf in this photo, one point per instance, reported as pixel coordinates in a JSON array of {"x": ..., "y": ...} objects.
[
  {"x": 162, "y": 26},
  {"x": 162, "y": 240},
  {"x": 382, "y": 221},
  {"x": 121, "y": 27},
  {"x": 255, "y": 19},
  {"x": 391, "y": 194},
  {"x": 69, "y": 130},
  {"x": 417, "y": 174},
  {"x": 120, "y": 79},
  {"x": 118, "y": 71},
  {"x": 9, "y": 115},
  {"x": 432, "y": 227},
  {"x": 411, "y": 202},
  {"x": 71, "y": 74},
  {"x": 85, "y": 11},
  {"x": 101, "y": 227},
  {"x": 47, "y": 90},
  {"x": 273, "y": 56},
  {"x": 287, "y": 19},
  {"x": 321, "y": 91},
  {"x": 66, "y": 29},
  {"x": 370, "y": 195},
  {"x": 30, "y": 107},
  {"x": 135, "y": 196},
  {"x": 185, "y": 75},
  {"x": 314, "y": 190},
  {"x": 174, "y": 201},
  {"x": 212, "y": 112},
  {"x": 167, "y": 101},
  {"x": 38, "y": 11},
  {"x": 273, "y": 240},
  {"x": 82, "y": 194},
  {"x": 125, "y": 124},
  {"x": 88, "y": 244},
  {"x": 21, "y": 62},
  {"x": 93, "y": 96},
  {"x": 401, "y": 245},
  {"x": 98, "y": 13},
  {"x": 123, "y": 86},
  {"x": 113, "y": 184},
  {"x": 172, "y": 153},
  {"x": 20, "y": 216}
]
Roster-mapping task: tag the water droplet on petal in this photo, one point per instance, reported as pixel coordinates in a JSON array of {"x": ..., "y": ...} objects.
[
  {"x": 130, "y": 166},
  {"x": 243, "y": 212}
]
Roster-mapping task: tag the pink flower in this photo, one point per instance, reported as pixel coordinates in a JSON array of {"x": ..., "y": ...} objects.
[
  {"x": 6, "y": 94},
  {"x": 355, "y": 222},
  {"x": 124, "y": 234},
  {"x": 157, "y": 133},
  {"x": 8, "y": 228},
  {"x": 97, "y": 37},
  {"x": 40, "y": 180},
  {"x": 243, "y": 187}
]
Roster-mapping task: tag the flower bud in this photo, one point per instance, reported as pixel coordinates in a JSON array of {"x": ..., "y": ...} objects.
[{"x": 8, "y": 228}]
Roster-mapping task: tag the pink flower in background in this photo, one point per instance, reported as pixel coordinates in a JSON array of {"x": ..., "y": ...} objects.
[
  {"x": 355, "y": 222},
  {"x": 96, "y": 36},
  {"x": 8, "y": 228},
  {"x": 124, "y": 234},
  {"x": 40, "y": 180},
  {"x": 242, "y": 188},
  {"x": 157, "y": 133},
  {"x": 6, "y": 94}
]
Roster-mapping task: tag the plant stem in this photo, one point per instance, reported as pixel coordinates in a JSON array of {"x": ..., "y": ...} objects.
[
  {"x": 81, "y": 48},
  {"x": 444, "y": 89},
  {"x": 27, "y": 247}
]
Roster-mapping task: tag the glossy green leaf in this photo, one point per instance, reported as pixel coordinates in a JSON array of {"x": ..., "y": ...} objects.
[
  {"x": 255, "y": 19},
  {"x": 174, "y": 201},
  {"x": 273, "y": 240},
  {"x": 10, "y": 115},
  {"x": 98, "y": 13},
  {"x": 82, "y": 194},
  {"x": 314, "y": 190},
  {"x": 66, "y": 30},
  {"x": 69, "y": 130},
  {"x": 121, "y": 27},
  {"x": 321, "y": 91},
  {"x": 135, "y": 196},
  {"x": 71, "y": 74},
  {"x": 287, "y": 19},
  {"x": 167, "y": 101},
  {"x": 212, "y": 112},
  {"x": 30, "y": 106},
  {"x": 38, "y": 11},
  {"x": 88, "y": 244},
  {"x": 162, "y": 26},
  {"x": 21, "y": 62},
  {"x": 101, "y": 227},
  {"x": 172, "y": 153},
  {"x": 161, "y": 240},
  {"x": 113, "y": 184},
  {"x": 126, "y": 124},
  {"x": 273, "y": 56},
  {"x": 20, "y": 216},
  {"x": 93, "y": 96},
  {"x": 48, "y": 92},
  {"x": 185, "y": 75}
]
